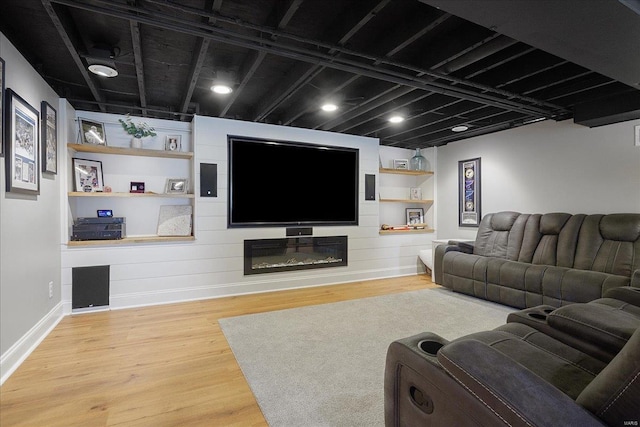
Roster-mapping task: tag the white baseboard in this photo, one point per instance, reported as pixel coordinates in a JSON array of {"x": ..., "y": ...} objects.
[{"x": 18, "y": 352}]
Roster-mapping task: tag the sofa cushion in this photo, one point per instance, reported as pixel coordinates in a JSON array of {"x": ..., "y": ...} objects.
[
  {"x": 550, "y": 239},
  {"x": 610, "y": 244},
  {"x": 500, "y": 235},
  {"x": 605, "y": 321},
  {"x": 613, "y": 394}
]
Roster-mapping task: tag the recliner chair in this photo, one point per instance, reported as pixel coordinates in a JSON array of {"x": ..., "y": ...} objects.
[{"x": 514, "y": 375}]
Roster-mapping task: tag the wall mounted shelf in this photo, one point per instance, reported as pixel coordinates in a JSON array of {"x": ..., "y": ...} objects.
[
  {"x": 405, "y": 172},
  {"x": 131, "y": 241},
  {"x": 103, "y": 194},
  {"x": 123, "y": 151}
]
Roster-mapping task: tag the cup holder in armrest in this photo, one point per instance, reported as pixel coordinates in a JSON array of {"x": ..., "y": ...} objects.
[
  {"x": 549, "y": 310},
  {"x": 430, "y": 347},
  {"x": 538, "y": 316}
]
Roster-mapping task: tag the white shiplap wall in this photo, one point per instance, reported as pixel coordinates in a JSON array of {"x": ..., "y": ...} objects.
[{"x": 212, "y": 266}]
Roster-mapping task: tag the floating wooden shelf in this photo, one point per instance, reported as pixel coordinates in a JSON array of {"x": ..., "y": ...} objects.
[
  {"x": 104, "y": 149},
  {"x": 132, "y": 240},
  {"x": 410, "y": 231},
  {"x": 405, "y": 172},
  {"x": 103, "y": 194},
  {"x": 422, "y": 201}
]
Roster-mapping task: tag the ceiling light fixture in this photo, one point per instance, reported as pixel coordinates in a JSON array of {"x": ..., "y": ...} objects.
[
  {"x": 396, "y": 119},
  {"x": 329, "y": 107},
  {"x": 460, "y": 128},
  {"x": 221, "y": 89},
  {"x": 103, "y": 70}
]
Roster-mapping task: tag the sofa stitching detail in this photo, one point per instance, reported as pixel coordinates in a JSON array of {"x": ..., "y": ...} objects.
[
  {"x": 484, "y": 387},
  {"x": 570, "y": 362},
  {"x": 620, "y": 394},
  {"x": 592, "y": 326}
]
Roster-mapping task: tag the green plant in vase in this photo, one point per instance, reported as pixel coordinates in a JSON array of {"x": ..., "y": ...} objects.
[{"x": 137, "y": 131}]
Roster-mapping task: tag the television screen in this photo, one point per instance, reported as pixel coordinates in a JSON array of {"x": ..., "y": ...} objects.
[{"x": 283, "y": 183}]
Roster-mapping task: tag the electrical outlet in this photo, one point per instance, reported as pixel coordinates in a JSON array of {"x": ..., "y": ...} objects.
[{"x": 50, "y": 289}]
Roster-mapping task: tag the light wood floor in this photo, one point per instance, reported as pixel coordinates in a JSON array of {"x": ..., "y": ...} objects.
[{"x": 166, "y": 365}]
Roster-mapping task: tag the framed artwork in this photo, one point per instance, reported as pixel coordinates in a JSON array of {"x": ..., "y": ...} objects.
[
  {"x": 401, "y": 164},
  {"x": 49, "y": 122},
  {"x": 469, "y": 193},
  {"x": 136, "y": 187},
  {"x": 92, "y": 132},
  {"x": 1, "y": 107},
  {"x": 173, "y": 143},
  {"x": 176, "y": 186},
  {"x": 22, "y": 139},
  {"x": 88, "y": 175},
  {"x": 415, "y": 216},
  {"x": 415, "y": 193}
]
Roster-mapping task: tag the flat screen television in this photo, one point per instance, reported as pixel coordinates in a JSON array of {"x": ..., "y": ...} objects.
[{"x": 286, "y": 183}]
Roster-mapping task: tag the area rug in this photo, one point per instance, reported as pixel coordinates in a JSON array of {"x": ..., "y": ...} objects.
[{"x": 323, "y": 365}]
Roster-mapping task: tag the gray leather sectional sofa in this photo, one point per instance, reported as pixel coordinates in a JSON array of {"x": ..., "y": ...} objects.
[{"x": 525, "y": 260}]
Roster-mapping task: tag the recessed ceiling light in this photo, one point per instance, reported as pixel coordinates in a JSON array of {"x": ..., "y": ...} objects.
[
  {"x": 329, "y": 107},
  {"x": 221, "y": 89},
  {"x": 396, "y": 119},
  {"x": 103, "y": 70},
  {"x": 461, "y": 128}
]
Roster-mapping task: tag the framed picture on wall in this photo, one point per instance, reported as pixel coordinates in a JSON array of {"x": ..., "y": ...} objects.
[
  {"x": 1, "y": 107},
  {"x": 92, "y": 132},
  {"x": 49, "y": 138},
  {"x": 469, "y": 193},
  {"x": 22, "y": 145}
]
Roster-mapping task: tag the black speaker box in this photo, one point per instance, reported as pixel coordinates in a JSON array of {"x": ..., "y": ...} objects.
[
  {"x": 208, "y": 180},
  {"x": 369, "y": 187},
  {"x": 90, "y": 286}
]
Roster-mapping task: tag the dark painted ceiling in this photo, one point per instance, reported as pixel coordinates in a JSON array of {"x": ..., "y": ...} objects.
[{"x": 490, "y": 64}]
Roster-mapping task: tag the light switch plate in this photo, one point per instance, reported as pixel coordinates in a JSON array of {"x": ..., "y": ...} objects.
[{"x": 637, "y": 138}]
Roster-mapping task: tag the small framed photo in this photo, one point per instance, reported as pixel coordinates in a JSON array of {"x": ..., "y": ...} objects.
[
  {"x": 22, "y": 145},
  {"x": 401, "y": 164},
  {"x": 415, "y": 216},
  {"x": 88, "y": 175},
  {"x": 173, "y": 143},
  {"x": 176, "y": 186},
  {"x": 470, "y": 213},
  {"x": 92, "y": 132},
  {"x": 49, "y": 138},
  {"x": 136, "y": 187},
  {"x": 415, "y": 193}
]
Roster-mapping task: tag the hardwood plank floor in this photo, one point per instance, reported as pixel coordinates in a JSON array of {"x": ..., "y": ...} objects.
[{"x": 167, "y": 365}]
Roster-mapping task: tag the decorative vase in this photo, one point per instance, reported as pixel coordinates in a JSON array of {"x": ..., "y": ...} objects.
[
  {"x": 136, "y": 142},
  {"x": 418, "y": 162}
]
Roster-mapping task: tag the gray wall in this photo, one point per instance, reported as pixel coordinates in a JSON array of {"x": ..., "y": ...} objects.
[
  {"x": 29, "y": 230},
  {"x": 544, "y": 167}
]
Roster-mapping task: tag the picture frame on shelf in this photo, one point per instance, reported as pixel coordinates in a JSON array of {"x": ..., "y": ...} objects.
[
  {"x": 49, "y": 156},
  {"x": 469, "y": 206},
  {"x": 415, "y": 193},
  {"x": 22, "y": 155},
  {"x": 415, "y": 216},
  {"x": 92, "y": 132},
  {"x": 136, "y": 187},
  {"x": 88, "y": 176},
  {"x": 176, "y": 186},
  {"x": 402, "y": 164},
  {"x": 2, "y": 65},
  {"x": 173, "y": 143}
]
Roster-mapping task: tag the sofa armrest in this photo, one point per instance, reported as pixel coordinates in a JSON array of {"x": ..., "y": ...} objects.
[
  {"x": 626, "y": 294},
  {"x": 515, "y": 394},
  {"x": 466, "y": 247},
  {"x": 438, "y": 256}
]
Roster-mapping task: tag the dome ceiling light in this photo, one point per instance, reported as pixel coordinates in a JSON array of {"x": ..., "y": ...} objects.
[
  {"x": 221, "y": 89},
  {"x": 396, "y": 119},
  {"x": 103, "y": 70},
  {"x": 460, "y": 128},
  {"x": 329, "y": 107}
]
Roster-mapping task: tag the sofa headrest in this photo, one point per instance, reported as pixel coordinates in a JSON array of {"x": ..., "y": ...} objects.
[
  {"x": 552, "y": 223},
  {"x": 620, "y": 227},
  {"x": 503, "y": 221}
]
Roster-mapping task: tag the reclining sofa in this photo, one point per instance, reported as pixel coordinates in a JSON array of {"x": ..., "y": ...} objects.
[
  {"x": 577, "y": 365},
  {"x": 525, "y": 260}
]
